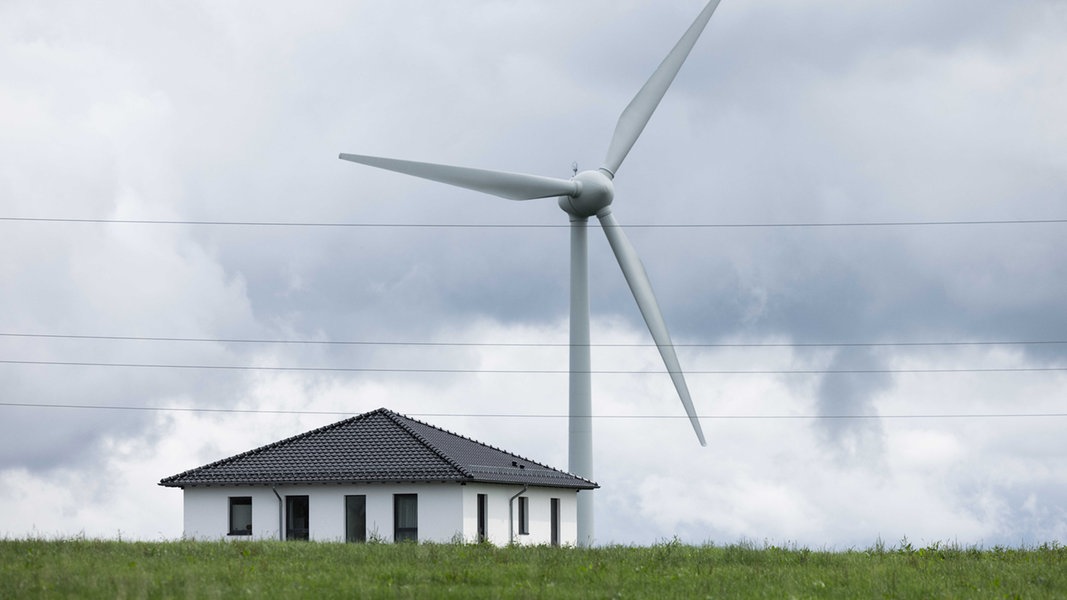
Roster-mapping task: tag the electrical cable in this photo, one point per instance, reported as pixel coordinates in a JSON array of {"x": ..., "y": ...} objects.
[
  {"x": 526, "y": 344},
  {"x": 523, "y": 371},
  {"x": 536, "y": 226},
  {"x": 537, "y": 416}
]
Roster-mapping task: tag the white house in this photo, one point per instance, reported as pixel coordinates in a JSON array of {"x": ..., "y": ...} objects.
[{"x": 381, "y": 476}]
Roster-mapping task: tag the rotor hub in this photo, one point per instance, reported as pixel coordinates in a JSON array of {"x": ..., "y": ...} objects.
[{"x": 595, "y": 193}]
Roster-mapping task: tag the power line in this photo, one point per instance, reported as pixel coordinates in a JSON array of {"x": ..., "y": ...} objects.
[
  {"x": 538, "y": 416},
  {"x": 525, "y": 344},
  {"x": 805, "y": 225},
  {"x": 523, "y": 371}
]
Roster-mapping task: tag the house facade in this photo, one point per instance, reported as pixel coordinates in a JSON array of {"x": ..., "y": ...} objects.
[{"x": 380, "y": 476}]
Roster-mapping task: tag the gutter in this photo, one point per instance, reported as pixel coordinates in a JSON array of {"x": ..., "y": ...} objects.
[
  {"x": 281, "y": 514},
  {"x": 511, "y": 513}
]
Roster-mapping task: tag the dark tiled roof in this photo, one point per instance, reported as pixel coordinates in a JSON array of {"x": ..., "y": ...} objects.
[{"x": 379, "y": 446}]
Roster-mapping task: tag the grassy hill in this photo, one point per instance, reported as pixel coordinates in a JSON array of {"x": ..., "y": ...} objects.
[{"x": 114, "y": 569}]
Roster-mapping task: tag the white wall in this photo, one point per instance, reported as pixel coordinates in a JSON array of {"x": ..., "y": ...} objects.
[
  {"x": 447, "y": 511},
  {"x": 496, "y": 511},
  {"x": 540, "y": 514},
  {"x": 440, "y": 509},
  {"x": 207, "y": 512}
]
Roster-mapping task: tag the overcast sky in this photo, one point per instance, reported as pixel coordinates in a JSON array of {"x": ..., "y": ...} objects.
[{"x": 825, "y": 111}]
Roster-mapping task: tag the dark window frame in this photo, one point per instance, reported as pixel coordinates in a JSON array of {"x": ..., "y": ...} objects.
[
  {"x": 298, "y": 517},
  {"x": 407, "y": 533},
  {"x": 246, "y": 528},
  {"x": 356, "y": 532},
  {"x": 554, "y": 509},
  {"x": 483, "y": 517},
  {"x": 524, "y": 515}
]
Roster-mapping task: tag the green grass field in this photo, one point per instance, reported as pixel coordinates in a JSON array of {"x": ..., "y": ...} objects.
[{"x": 115, "y": 569}]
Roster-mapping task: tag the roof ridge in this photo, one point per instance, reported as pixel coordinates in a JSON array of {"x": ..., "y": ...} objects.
[{"x": 395, "y": 417}]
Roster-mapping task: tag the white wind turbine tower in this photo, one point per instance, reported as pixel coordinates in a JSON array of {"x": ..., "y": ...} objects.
[{"x": 587, "y": 194}]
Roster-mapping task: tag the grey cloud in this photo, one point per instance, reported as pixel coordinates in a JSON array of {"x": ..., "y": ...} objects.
[
  {"x": 853, "y": 394},
  {"x": 827, "y": 111}
]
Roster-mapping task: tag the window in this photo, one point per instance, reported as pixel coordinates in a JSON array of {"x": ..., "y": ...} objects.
[
  {"x": 355, "y": 518},
  {"x": 554, "y": 503},
  {"x": 296, "y": 517},
  {"x": 483, "y": 517},
  {"x": 524, "y": 515},
  {"x": 240, "y": 515},
  {"x": 405, "y": 517}
]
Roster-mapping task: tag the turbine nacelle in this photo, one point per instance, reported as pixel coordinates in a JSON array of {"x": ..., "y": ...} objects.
[{"x": 594, "y": 192}]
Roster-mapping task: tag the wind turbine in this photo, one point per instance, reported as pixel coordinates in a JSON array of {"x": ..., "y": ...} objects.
[{"x": 586, "y": 194}]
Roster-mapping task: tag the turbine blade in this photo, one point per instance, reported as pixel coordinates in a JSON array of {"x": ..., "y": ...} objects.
[
  {"x": 513, "y": 186},
  {"x": 633, "y": 120},
  {"x": 639, "y": 284}
]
